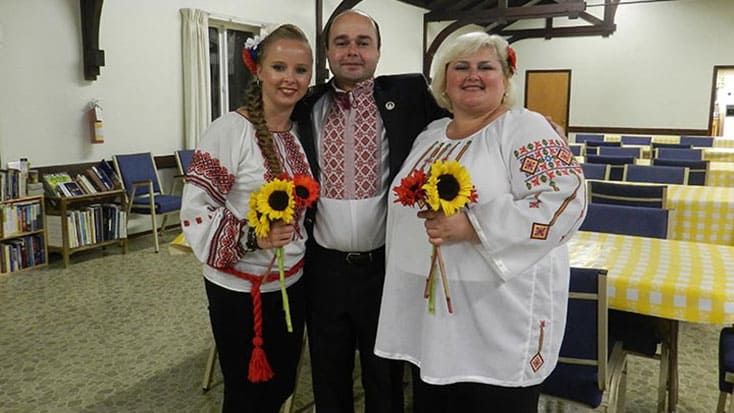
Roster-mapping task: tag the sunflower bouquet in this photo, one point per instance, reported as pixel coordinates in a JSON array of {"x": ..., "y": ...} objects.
[
  {"x": 281, "y": 199},
  {"x": 447, "y": 188}
]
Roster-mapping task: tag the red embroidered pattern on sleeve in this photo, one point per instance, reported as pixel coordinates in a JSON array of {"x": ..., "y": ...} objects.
[
  {"x": 226, "y": 250},
  {"x": 208, "y": 174},
  {"x": 544, "y": 160}
]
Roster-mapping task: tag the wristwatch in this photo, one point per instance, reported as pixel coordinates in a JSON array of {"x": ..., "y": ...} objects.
[{"x": 251, "y": 242}]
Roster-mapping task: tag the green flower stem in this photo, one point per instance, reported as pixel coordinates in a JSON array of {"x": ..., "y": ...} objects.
[{"x": 283, "y": 292}]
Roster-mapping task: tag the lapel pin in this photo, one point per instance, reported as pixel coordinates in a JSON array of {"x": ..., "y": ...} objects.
[{"x": 390, "y": 105}]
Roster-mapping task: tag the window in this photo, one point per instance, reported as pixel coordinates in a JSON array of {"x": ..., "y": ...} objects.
[{"x": 229, "y": 76}]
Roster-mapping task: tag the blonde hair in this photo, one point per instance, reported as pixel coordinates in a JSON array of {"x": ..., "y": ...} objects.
[
  {"x": 464, "y": 45},
  {"x": 254, "y": 99}
]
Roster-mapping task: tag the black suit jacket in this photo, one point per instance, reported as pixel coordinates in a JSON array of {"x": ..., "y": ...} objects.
[{"x": 406, "y": 107}]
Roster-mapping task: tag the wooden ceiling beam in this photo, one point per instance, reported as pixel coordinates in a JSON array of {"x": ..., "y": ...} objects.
[{"x": 570, "y": 9}]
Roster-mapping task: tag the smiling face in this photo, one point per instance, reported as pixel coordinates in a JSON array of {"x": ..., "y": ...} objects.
[
  {"x": 475, "y": 83},
  {"x": 285, "y": 73},
  {"x": 352, "y": 49}
]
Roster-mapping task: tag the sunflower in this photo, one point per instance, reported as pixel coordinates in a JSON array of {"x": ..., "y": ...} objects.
[
  {"x": 255, "y": 219},
  {"x": 449, "y": 187},
  {"x": 306, "y": 190},
  {"x": 410, "y": 192},
  {"x": 275, "y": 200}
]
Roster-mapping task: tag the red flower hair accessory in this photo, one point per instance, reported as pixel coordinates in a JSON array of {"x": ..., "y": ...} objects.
[
  {"x": 249, "y": 53},
  {"x": 511, "y": 59}
]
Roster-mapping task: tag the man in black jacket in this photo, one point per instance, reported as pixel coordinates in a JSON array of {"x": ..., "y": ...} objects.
[{"x": 361, "y": 130}]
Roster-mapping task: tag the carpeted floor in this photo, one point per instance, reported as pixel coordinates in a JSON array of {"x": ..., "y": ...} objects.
[{"x": 129, "y": 333}]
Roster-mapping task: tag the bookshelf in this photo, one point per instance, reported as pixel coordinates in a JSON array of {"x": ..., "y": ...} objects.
[
  {"x": 79, "y": 223},
  {"x": 22, "y": 234}
]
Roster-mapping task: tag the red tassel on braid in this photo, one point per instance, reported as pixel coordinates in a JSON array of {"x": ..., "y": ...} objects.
[{"x": 259, "y": 369}]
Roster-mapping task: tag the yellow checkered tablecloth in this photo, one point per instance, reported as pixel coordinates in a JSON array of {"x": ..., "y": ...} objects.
[
  {"x": 720, "y": 142},
  {"x": 718, "y": 154},
  {"x": 671, "y": 279},
  {"x": 701, "y": 214}
]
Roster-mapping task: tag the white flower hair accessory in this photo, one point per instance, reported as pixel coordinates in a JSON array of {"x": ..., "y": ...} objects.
[{"x": 249, "y": 52}]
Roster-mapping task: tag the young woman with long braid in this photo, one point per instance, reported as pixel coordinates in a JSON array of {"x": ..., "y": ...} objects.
[{"x": 237, "y": 154}]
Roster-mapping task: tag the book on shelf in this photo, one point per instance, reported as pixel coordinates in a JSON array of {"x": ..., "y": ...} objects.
[
  {"x": 51, "y": 183},
  {"x": 71, "y": 188},
  {"x": 85, "y": 184},
  {"x": 106, "y": 168},
  {"x": 95, "y": 180}
]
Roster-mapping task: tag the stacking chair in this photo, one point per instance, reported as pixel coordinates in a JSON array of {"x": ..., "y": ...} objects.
[
  {"x": 698, "y": 141},
  {"x": 588, "y": 137},
  {"x": 676, "y": 153},
  {"x": 588, "y": 373},
  {"x": 595, "y": 171},
  {"x": 592, "y": 147},
  {"x": 656, "y": 174},
  {"x": 697, "y": 170},
  {"x": 627, "y": 220},
  {"x": 145, "y": 195},
  {"x": 624, "y": 193},
  {"x": 635, "y": 151},
  {"x": 616, "y": 164},
  {"x": 183, "y": 160},
  {"x": 726, "y": 368},
  {"x": 577, "y": 149},
  {"x": 635, "y": 140},
  {"x": 656, "y": 145}
]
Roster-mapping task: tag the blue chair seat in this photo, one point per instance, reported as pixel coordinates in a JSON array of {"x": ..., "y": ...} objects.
[{"x": 163, "y": 204}]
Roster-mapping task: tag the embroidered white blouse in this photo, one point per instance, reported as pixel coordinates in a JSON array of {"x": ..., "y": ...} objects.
[
  {"x": 226, "y": 168},
  {"x": 509, "y": 292}
]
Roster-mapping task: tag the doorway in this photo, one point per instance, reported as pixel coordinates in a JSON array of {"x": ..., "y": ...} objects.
[
  {"x": 721, "y": 122},
  {"x": 549, "y": 92}
]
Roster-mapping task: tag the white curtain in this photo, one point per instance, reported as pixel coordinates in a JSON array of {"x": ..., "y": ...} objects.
[{"x": 195, "y": 43}]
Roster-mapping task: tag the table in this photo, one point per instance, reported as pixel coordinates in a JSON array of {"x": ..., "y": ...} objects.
[
  {"x": 701, "y": 213},
  {"x": 718, "y": 154},
  {"x": 669, "y": 279},
  {"x": 721, "y": 142}
]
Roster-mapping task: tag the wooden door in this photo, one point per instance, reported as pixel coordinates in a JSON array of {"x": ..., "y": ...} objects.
[{"x": 549, "y": 92}]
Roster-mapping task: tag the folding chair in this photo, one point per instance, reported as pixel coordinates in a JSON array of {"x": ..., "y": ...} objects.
[
  {"x": 140, "y": 180},
  {"x": 697, "y": 170},
  {"x": 698, "y": 141},
  {"x": 595, "y": 171},
  {"x": 616, "y": 164},
  {"x": 679, "y": 153},
  {"x": 627, "y": 220},
  {"x": 592, "y": 147},
  {"x": 635, "y": 140},
  {"x": 625, "y": 193},
  {"x": 656, "y": 145},
  {"x": 635, "y": 151},
  {"x": 588, "y": 137},
  {"x": 587, "y": 373},
  {"x": 577, "y": 149},
  {"x": 656, "y": 174}
]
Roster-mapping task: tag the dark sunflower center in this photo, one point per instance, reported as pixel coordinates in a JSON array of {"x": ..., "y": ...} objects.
[
  {"x": 278, "y": 200},
  {"x": 302, "y": 192},
  {"x": 448, "y": 187}
]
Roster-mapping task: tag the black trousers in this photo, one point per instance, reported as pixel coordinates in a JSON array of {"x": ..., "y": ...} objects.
[
  {"x": 232, "y": 319},
  {"x": 343, "y": 304},
  {"x": 472, "y": 397}
]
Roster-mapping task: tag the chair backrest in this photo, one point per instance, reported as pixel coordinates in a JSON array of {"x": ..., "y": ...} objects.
[
  {"x": 698, "y": 141},
  {"x": 656, "y": 145},
  {"x": 676, "y": 153},
  {"x": 588, "y": 137},
  {"x": 624, "y": 193},
  {"x": 626, "y": 220},
  {"x": 582, "y": 370},
  {"x": 183, "y": 160},
  {"x": 726, "y": 359},
  {"x": 137, "y": 167},
  {"x": 620, "y": 151},
  {"x": 697, "y": 170},
  {"x": 577, "y": 149},
  {"x": 656, "y": 174},
  {"x": 616, "y": 164},
  {"x": 595, "y": 171},
  {"x": 635, "y": 140}
]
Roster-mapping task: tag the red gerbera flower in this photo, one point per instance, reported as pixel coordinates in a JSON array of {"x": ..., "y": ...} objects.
[
  {"x": 410, "y": 192},
  {"x": 306, "y": 190}
]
